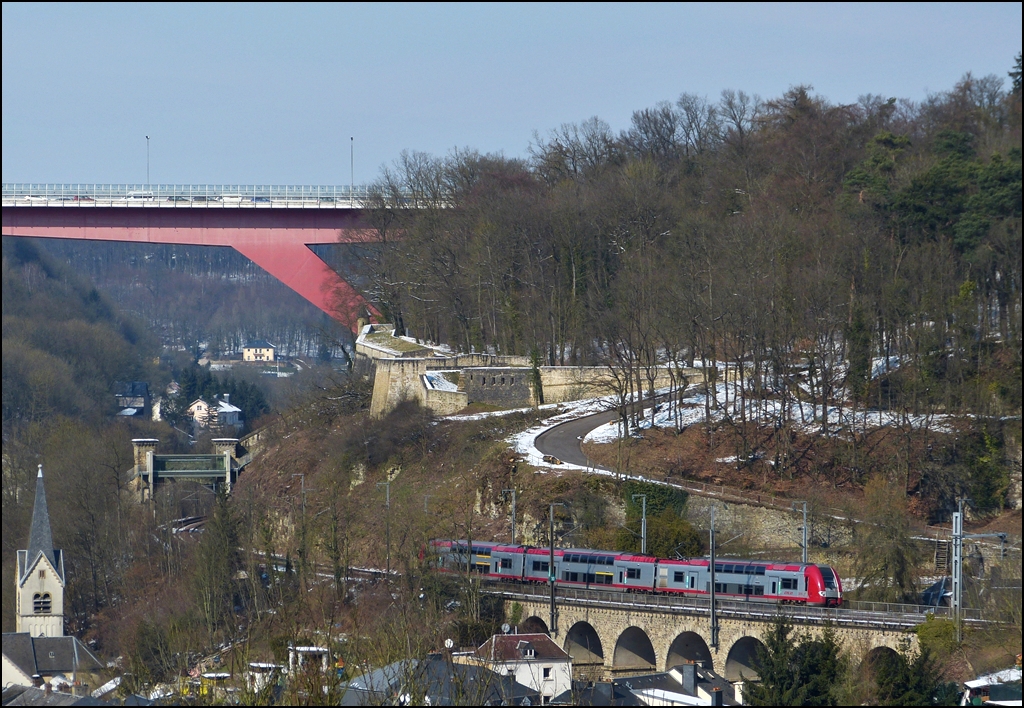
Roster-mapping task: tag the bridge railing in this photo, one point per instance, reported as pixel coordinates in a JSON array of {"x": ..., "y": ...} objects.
[
  {"x": 183, "y": 195},
  {"x": 856, "y": 613}
]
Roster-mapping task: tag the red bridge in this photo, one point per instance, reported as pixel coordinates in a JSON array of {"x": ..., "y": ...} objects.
[{"x": 272, "y": 226}]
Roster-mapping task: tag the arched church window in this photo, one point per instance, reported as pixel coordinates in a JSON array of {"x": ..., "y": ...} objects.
[{"x": 41, "y": 603}]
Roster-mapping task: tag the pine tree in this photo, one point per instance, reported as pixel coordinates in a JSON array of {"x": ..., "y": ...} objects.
[{"x": 779, "y": 684}]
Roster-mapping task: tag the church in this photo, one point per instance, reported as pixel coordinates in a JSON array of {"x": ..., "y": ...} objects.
[{"x": 37, "y": 652}]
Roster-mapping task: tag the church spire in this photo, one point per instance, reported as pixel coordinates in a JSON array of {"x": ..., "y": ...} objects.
[{"x": 40, "y": 540}]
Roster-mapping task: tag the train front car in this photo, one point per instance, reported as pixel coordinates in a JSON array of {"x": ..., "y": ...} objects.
[{"x": 823, "y": 586}]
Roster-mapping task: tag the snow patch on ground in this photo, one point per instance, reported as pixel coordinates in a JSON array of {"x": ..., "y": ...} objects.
[
  {"x": 804, "y": 416},
  {"x": 439, "y": 382}
]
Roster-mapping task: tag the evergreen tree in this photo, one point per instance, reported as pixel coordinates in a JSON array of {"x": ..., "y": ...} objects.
[
  {"x": 906, "y": 678},
  {"x": 779, "y": 684},
  {"x": 217, "y": 562},
  {"x": 804, "y": 672}
]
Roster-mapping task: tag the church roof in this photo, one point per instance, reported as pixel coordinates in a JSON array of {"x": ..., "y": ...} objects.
[
  {"x": 48, "y": 655},
  {"x": 39, "y": 538}
]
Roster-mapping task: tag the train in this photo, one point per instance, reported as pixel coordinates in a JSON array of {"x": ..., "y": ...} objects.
[{"x": 735, "y": 579}]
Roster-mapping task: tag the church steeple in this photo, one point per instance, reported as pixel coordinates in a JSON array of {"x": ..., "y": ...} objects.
[
  {"x": 40, "y": 540},
  {"x": 40, "y": 575}
]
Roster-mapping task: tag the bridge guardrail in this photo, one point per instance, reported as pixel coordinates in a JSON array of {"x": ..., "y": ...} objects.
[
  {"x": 183, "y": 195},
  {"x": 872, "y": 614}
]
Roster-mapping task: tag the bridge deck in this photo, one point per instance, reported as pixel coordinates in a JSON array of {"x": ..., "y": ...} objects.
[
  {"x": 854, "y": 614},
  {"x": 185, "y": 196}
]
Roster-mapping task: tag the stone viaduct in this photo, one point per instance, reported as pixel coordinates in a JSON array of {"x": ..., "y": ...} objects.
[{"x": 607, "y": 641}]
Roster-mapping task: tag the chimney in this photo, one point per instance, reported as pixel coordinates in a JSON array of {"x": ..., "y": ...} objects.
[
  {"x": 226, "y": 397},
  {"x": 717, "y": 698},
  {"x": 690, "y": 678}
]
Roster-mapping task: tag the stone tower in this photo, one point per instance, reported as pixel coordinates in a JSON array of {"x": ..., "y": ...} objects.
[{"x": 40, "y": 576}]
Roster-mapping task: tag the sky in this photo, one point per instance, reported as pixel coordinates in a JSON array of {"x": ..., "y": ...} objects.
[{"x": 286, "y": 94}]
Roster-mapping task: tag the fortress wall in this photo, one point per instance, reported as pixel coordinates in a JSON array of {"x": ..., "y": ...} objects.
[
  {"x": 570, "y": 383},
  {"x": 445, "y": 402},
  {"x": 396, "y": 380},
  {"x": 508, "y": 387}
]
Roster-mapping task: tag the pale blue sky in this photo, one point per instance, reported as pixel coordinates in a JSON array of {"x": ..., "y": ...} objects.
[{"x": 255, "y": 93}]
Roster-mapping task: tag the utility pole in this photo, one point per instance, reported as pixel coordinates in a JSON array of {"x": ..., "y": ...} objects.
[
  {"x": 958, "y": 563},
  {"x": 352, "y": 169},
  {"x": 387, "y": 521},
  {"x": 552, "y": 626},
  {"x": 513, "y": 493},
  {"x": 803, "y": 529},
  {"x": 643, "y": 522},
  {"x": 713, "y": 608},
  {"x": 147, "y": 163},
  {"x": 958, "y": 543}
]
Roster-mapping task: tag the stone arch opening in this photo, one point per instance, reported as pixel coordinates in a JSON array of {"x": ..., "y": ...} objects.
[
  {"x": 870, "y": 662},
  {"x": 583, "y": 644},
  {"x": 533, "y": 625},
  {"x": 742, "y": 663},
  {"x": 689, "y": 646},
  {"x": 634, "y": 650}
]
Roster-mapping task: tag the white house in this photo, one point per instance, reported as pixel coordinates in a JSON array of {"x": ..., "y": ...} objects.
[
  {"x": 532, "y": 659},
  {"x": 219, "y": 414},
  {"x": 259, "y": 350}
]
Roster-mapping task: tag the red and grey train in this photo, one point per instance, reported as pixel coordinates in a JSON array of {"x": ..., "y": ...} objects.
[{"x": 746, "y": 580}]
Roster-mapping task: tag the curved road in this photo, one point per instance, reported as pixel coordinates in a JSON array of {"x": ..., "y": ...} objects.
[{"x": 564, "y": 440}]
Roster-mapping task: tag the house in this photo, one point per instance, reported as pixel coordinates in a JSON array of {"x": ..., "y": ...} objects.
[
  {"x": 1002, "y": 688},
  {"x": 258, "y": 350},
  {"x": 132, "y": 398},
  {"x": 38, "y": 650},
  {"x": 533, "y": 660},
  {"x": 688, "y": 684},
  {"x": 440, "y": 679},
  {"x": 217, "y": 415}
]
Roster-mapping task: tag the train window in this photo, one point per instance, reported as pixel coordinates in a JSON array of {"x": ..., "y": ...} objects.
[
  {"x": 693, "y": 580},
  {"x": 828, "y": 577},
  {"x": 541, "y": 566},
  {"x": 758, "y": 590},
  {"x": 571, "y": 577},
  {"x": 721, "y": 587},
  {"x": 603, "y": 579},
  {"x": 506, "y": 562},
  {"x": 774, "y": 588},
  {"x": 633, "y": 573},
  {"x": 789, "y": 584},
  {"x": 678, "y": 576}
]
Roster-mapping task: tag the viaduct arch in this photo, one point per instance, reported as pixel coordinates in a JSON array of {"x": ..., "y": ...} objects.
[{"x": 629, "y": 641}]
